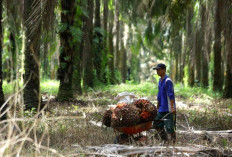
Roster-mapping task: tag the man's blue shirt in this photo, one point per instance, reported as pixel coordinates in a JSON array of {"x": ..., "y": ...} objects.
[{"x": 165, "y": 94}]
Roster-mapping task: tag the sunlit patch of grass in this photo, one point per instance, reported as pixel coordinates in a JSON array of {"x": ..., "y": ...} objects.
[
  {"x": 9, "y": 87},
  {"x": 49, "y": 86},
  {"x": 189, "y": 92},
  {"x": 151, "y": 89},
  {"x": 142, "y": 89}
]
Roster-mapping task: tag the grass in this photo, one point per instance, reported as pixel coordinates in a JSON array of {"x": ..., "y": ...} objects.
[
  {"x": 188, "y": 92},
  {"x": 49, "y": 86},
  {"x": 143, "y": 89},
  {"x": 46, "y": 86}
]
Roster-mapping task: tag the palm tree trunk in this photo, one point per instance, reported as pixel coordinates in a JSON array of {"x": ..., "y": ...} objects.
[
  {"x": 111, "y": 49},
  {"x": 77, "y": 69},
  {"x": 77, "y": 59},
  {"x": 117, "y": 30},
  {"x": 98, "y": 45},
  {"x": 227, "y": 93},
  {"x": 202, "y": 43},
  {"x": 2, "y": 100},
  {"x": 207, "y": 47},
  {"x": 182, "y": 59},
  {"x": 198, "y": 52},
  {"x": 13, "y": 56},
  {"x": 189, "y": 44},
  {"x": 31, "y": 92},
  {"x": 123, "y": 54},
  {"x": 87, "y": 47},
  {"x": 67, "y": 50},
  {"x": 105, "y": 45},
  {"x": 191, "y": 58},
  {"x": 217, "y": 78}
]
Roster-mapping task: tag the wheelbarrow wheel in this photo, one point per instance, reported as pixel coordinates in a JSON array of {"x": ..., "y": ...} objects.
[{"x": 122, "y": 138}]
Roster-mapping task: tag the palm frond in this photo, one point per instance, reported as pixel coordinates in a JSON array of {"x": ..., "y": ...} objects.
[{"x": 41, "y": 11}]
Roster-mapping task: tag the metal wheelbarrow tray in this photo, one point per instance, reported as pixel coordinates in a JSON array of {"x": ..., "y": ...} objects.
[{"x": 135, "y": 129}]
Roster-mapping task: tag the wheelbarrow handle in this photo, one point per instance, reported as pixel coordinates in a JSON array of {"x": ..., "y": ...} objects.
[{"x": 160, "y": 120}]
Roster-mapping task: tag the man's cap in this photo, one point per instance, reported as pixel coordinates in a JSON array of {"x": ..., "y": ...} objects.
[{"x": 160, "y": 66}]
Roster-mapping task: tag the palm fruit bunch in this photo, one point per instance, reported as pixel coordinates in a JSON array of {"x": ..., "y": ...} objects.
[
  {"x": 148, "y": 110},
  {"x": 125, "y": 115},
  {"x": 107, "y": 118}
]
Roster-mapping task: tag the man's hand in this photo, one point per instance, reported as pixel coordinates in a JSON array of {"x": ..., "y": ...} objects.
[{"x": 173, "y": 109}]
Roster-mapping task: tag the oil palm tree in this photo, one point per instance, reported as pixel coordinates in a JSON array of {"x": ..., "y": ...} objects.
[
  {"x": 32, "y": 20},
  {"x": 68, "y": 10}
]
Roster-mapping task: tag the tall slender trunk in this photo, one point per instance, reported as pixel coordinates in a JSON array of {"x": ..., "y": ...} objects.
[
  {"x": 207, "y": 47},
  {"x": 227, "y": 93},
  {"x": 177, "y": 51},
  {"x": 87, "y": 47},
  {"x": 217, "y": 78},
  {"x": 98, "y": 45},
  {"x": 77, "y": 59},
  {"x": 129, "y": 52},
  {"x": 182, "y": 59},
  {"x": 45, "y": 60},
  {"x": 202, "y": 41},
  {"x": 111, "y": 49},
  {"x": 171, "y": 74},
  {"x": 198, "y": 52},
  {"x": 105, "y": 22},
  {"x": 189, "y": 46},
  {"x": 123, "y": 54},
  {"x": 77, "y": 69},
  {"x": 176, "y": 67},
  {"x": 2, "y": 100},
  {"x": 191, "y": 79},
  {"x": 31, "y": 93},
  {"x": 105, "y": 58},
  {"x": 67, "y": 51},
  {"x": 117, "y": 30},
  {"x": 13, "y": 56},
  {"x": 54, "y": 61}
]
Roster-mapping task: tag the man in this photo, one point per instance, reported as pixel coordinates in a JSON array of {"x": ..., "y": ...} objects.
[{"x": 166, "y": 105}]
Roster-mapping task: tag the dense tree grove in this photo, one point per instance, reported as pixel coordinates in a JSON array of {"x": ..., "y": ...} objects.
[{"x": 84, "y": 43}]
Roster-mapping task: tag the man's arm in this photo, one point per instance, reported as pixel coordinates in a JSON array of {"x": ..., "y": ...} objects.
[
  {"x": 170, "y": 93},
  {"x": 172, "y": 106},
  {"x": 158, "y": 105}
]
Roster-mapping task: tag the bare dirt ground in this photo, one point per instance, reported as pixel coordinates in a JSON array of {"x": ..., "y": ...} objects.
[
  {"x": 74, "y": 128},
  {"x": 197, "y": 130}
]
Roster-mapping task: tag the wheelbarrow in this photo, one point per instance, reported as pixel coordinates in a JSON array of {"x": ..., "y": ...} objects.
[{"x": 127, "y": 133}]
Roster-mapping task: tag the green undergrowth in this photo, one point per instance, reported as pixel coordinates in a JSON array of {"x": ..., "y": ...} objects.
[
  {"x": 49, "y": 86},
  {"x": 151, "y": 89},
  {"x": 143, "y": 89},
  {"x": 206, "y": 119},
  {"x": 46, "y": 86},
  {"x": 188, "y": 92}
]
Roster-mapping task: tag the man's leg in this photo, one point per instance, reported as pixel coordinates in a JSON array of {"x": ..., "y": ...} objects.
[
  {"x": 169, "y": 124},
  {"x": 159, "y": 126}
]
